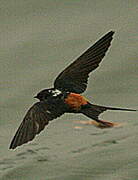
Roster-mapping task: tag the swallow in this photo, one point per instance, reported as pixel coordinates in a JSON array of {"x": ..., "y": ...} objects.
[{"x": 64, "y": 96}]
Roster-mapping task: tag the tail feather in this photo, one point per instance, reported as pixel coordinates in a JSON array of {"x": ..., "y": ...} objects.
[
  {"x": 119, "y": 109},
  {"x": 93, "y": 111}
]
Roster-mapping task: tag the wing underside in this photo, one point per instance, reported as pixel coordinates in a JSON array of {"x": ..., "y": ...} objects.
[{"x": 33, "y": 123}]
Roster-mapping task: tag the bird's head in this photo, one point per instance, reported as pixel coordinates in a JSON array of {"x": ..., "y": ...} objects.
[{"x": 44, "y": 94}]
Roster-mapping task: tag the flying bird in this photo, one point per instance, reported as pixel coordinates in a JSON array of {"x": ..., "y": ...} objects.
[{"x": 64, "y": 96}]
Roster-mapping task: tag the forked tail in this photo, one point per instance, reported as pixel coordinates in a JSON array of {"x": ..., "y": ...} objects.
[{"x": 93, "y": 111}]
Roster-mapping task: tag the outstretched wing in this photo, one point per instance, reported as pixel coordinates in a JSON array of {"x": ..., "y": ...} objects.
[
  {"x": 37, "y": 117},
  {"x": 74, "y": 78}
]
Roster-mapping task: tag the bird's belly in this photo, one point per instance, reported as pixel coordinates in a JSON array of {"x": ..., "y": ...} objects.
[{"x": 75, "y": 101}]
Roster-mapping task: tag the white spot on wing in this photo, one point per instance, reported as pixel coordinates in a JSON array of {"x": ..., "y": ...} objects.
[{"x": 48, "y": 112}]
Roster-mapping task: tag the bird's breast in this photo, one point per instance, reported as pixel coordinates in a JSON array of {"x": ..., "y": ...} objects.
[{"x": 75, "y": 101}]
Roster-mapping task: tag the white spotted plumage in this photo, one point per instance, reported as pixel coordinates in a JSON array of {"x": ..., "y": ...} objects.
[{"x": 56, "y": 92}]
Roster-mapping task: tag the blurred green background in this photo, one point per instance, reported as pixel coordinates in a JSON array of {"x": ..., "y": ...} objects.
[{"x": 38, "y": 39}]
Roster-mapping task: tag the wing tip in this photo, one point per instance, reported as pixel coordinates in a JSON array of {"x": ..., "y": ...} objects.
[
  {"x": 111, "y": 32},
  {"x": 14, "y": 144},
  {"x": 12, "y": 147}
]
